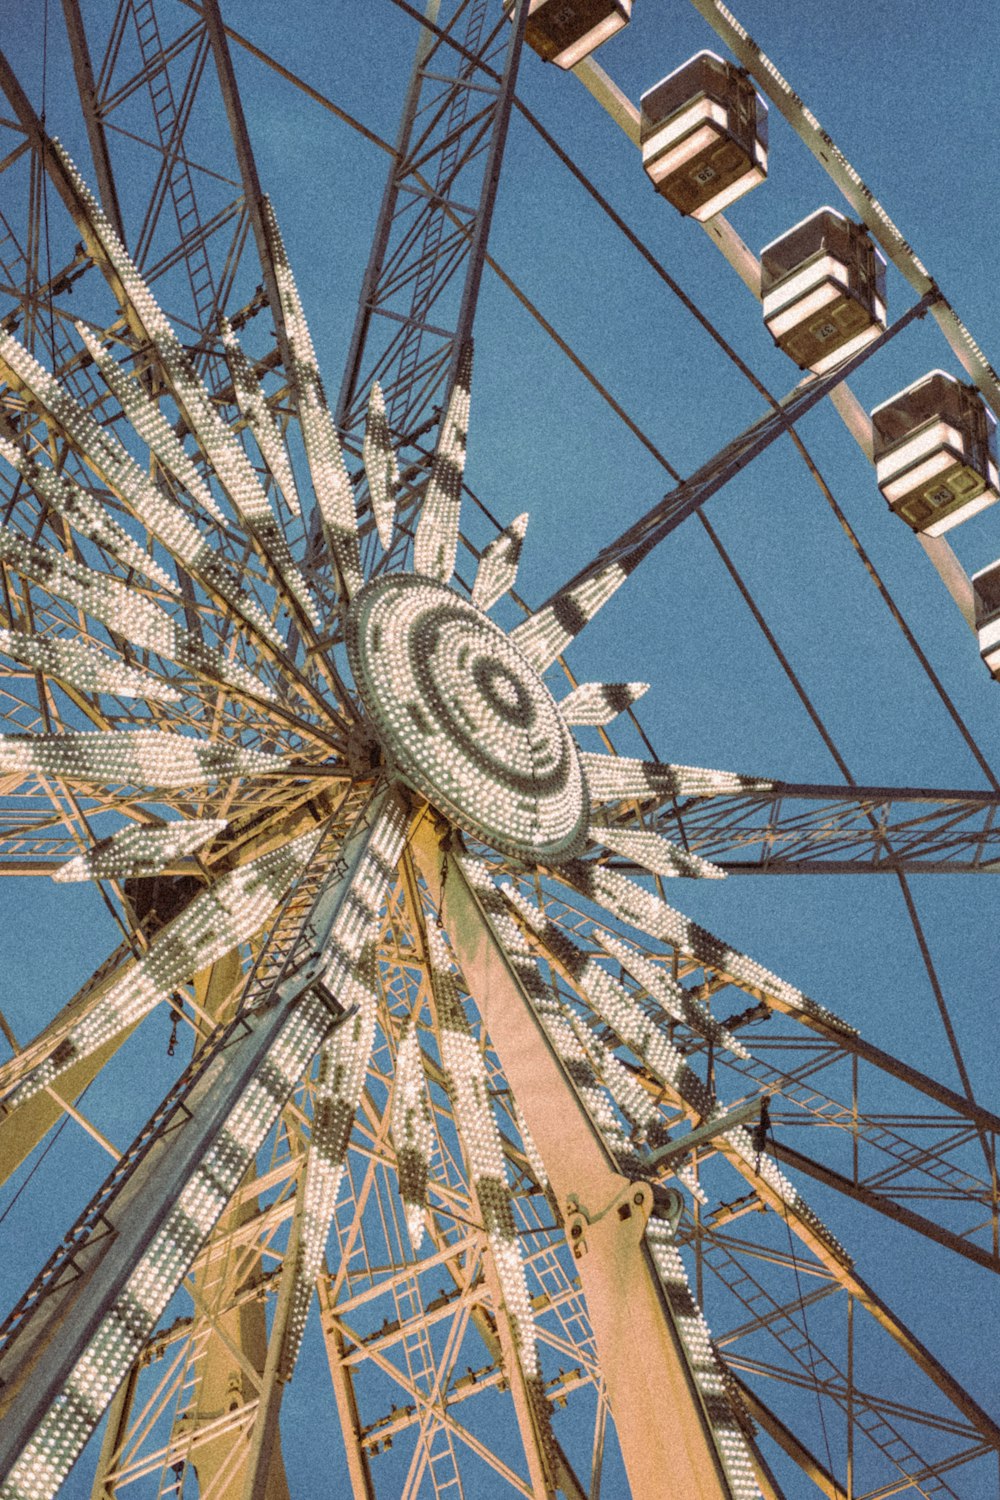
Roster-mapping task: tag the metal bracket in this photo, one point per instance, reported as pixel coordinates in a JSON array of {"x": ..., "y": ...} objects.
[
  {"x": 309, "y": 976},
  {"x": 632, "y": 1205},
  {"x": 739, "y": 1115}
]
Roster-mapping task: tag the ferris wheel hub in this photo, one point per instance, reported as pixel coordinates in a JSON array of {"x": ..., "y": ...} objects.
[{"x": 465, "y": 718}]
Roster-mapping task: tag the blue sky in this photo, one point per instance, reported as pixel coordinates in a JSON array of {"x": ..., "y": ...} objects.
[{"x": 907, "y": 91}]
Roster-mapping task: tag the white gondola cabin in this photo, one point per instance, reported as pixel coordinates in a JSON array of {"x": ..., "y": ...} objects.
[
  {"x": 986, "y": 592},
  {"x": 564, "y": 32},
  {"x": 703, "y": 133},
  {"x": 823, "y": 290},
  {"x": 936, "y": 453}
]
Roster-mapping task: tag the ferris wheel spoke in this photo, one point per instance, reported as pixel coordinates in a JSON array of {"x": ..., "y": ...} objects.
[
  {"x": 614, "y": 778},
  {"x": 172, "y": 1186},
  {"x": 790, "y": 826},
  {"x": 559, "y": 621},
  {"x": 126, "y": 612},
  {"x": 381, "y": 467},
  {"x": 149, "y": 758},
  {"x": 217, "y": 920},
  {"x": 331, "y": 483},
  {"x": 166, "y": 1217},
  {"x": 902, "y": 1164},
  {"x": 650, "y": 915},
  {"x": 345, "y": 966},
  {"x": 105, "y": 455},
  {"x": 254, "y": 408},
  {"x": 228, "y": 1327},
  {"x": 497, "y": 571},
  {"x": 543, "y": 1050},
  {"x": 616, "y": 1008},
  {"x": 584, "y": 1174},
  {"x": 221, "y": 448},
  {"x": 544, "y": 636},
  {"x": 141, "y": 851},
  {"x": 676, "y": 1001},
  {"x": 84, "y": 667},
  {"x": 821, "y": 827},
  {"x": 636, "y": 906},
  {"x": 88, "y": 518},
  {"x": 653, "y": 853},
  {"x": 150, "y": 423},
  {"x": 436, "y": 541},
  {"x": 348, "y": 958}
]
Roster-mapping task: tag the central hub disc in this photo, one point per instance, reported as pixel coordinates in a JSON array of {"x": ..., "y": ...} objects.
[{"x": 466, "y": 719}]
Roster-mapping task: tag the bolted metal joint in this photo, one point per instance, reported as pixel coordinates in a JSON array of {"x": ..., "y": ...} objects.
[{"x": 631, "y": 1206}]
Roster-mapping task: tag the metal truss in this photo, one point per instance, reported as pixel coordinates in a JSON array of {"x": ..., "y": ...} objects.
[
  {"x": 828, "y": 1083},
  {"x": 422, "y": 279},
  {"x": 421, "y": 284},
  {"x": 414, "y": 1340},
  {"x": 805, "y": 829},
  {"x": 839, "y": 830},
  {"x": 424, "y": 1351}
]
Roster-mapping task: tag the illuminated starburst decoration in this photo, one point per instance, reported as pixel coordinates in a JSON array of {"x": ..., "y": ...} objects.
[{"x": 447, "y": 754}]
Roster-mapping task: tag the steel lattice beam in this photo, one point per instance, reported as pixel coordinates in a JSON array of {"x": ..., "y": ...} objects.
[
  {"x": 415, "y": 321},
  {"x": 419, "y": 292},
  {"x": 410, "y": 320},
  {"x": 823, "y": 829}
]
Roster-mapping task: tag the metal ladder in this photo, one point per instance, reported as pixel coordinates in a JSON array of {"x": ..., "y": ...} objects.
[
  {"x": 909, "y": 1157},
  {"x": 817, "y": 1366},
  {"x": 419, "y": 1355},
  {"x": 423, "y": 287},
  {"x": 169, "y": 126}
]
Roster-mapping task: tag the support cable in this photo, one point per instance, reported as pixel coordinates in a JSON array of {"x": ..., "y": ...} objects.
[
  {"x": 845, "y": 771},
  {"x": 341, "y": 114},
  {"x": 661, "y": 271},
  {"x": 751, "y": 603},
  {"x": 299, "y": 83},
  {"x": 695, "y": 312},
  {"x": 41, "y": 1157},
  {"x": 852, "y": 536},
  {"x": 674, "y": 286},
  {"x": 758, "y": 616},
  {"x": 598, "y": 197},
  {"x": 706, "y": 323}
]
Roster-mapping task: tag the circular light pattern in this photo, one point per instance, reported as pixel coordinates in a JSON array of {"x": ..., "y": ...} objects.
[{"x": 466, "y": 719}]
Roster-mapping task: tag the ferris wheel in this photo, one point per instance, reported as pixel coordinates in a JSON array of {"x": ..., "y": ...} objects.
[{"x": 415, "y": 1095}]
